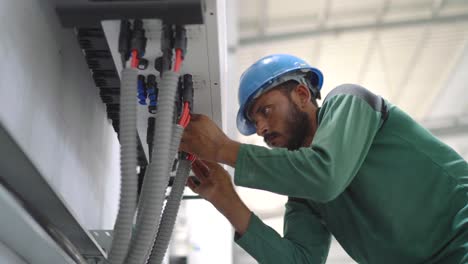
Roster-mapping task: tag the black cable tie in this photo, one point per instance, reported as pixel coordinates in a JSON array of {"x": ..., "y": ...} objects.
[
  {"x": 181, "y": 39},
  {"x": 188, "y": 90}
]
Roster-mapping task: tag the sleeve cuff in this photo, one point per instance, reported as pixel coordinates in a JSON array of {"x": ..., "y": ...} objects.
[
  {"x": 247, "y": 240},
  {"x": 240, "y": 164}
]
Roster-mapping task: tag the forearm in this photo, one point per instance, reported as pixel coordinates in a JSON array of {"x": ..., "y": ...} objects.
[
  {"x": 227, "y": 153},
  {"x": 237, "y": 213}
]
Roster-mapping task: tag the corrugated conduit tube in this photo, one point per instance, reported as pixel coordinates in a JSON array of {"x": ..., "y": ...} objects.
[
  {"x": 128, "y": 163},
  {"x": 167, "y": 215},
  {"x": 175, "y": 142},
  {"x": 171, "y": 209},
  {"x": 155, "y": 185}
]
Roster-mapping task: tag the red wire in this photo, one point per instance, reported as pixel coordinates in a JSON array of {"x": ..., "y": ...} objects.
[
  {"x": 184, "y": 121},
  {"x": 185, "y": 115},
  {"x": 134, "y": 63},
  {"x": 178, "y": 60},
  {"x": 182, "y": 117},
  {"x": 187, "y": 121},
  {"x": 191, "y": 157}
]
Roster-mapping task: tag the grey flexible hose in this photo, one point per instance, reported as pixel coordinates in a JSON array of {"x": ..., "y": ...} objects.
[
  {"x": 128, "y": 163},
  {"x": 175, "y": 142},
  {"x": 177, "y": 132},
  {"x": 170, "y": 213},
  {"x": 154, "y": 186}
]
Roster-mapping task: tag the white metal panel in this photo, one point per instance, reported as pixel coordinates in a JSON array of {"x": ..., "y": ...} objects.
[
  {"x": 50, "y": 105},
  {"x": 7, "y": 255}
]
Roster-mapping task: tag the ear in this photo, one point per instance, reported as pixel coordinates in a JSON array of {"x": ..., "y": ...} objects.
[{"x": 303, "y": 95}]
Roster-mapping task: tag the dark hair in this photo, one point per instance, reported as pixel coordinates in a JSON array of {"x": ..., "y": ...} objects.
[{"x": 287, "y": 87}]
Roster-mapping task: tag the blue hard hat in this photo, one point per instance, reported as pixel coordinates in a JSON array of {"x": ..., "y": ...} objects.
[{"x": 269, "y": 72}]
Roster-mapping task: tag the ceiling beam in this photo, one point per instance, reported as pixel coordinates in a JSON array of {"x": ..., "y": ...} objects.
[
  {"x": 418, "y": 52},
  {"x": 364, "y": 11},
  {"x": 324, "y": 14},
  {"x": 342, "y": 29},
  {"x": 374, "y": 41}
]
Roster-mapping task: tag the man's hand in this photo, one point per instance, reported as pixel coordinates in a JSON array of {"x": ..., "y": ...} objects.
[
  {"x": 204, "y": 139},
  {"x": 215, "y": 185}
]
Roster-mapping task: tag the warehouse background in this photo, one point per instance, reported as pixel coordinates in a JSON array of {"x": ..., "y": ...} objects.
[{"x": 413, "y": 53}]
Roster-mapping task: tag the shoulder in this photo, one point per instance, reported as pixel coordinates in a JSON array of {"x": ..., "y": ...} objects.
[{"x": 357, "y": 92}]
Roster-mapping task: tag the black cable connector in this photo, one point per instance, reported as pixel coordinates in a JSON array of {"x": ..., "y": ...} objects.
[
  {"x": 188, "y": 90},
  {"x": 138, "y": 41},
  {"x": 158, "y": 64},
  {"x": 180, "y": 39},
  {"x": 150, "y": 135},
  {"x": 178, "y": 99},
  {"x": 183, "y": 155},
  {"x": 167, "y": 44},
  {"x": 142, "y": 64},
  {"x": 124, "y": 41}
]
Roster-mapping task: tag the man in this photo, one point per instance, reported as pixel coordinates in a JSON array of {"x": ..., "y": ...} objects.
[{"x": 358, "y": 168}]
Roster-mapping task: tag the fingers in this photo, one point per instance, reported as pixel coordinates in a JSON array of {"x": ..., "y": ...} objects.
[
  {"x": 212, "y": 165},
  {"x": 192, "y": 185},
  {"x": 185, "y": 142},
  {"x": 216, "y": 170},
  {"x": 195, "y": 117},
  {"x": 201, "y": 173},
  {"x": 189, "y": 127},
  {"x": 198, "y": 117},
  {"x": 201, "y": 166}
]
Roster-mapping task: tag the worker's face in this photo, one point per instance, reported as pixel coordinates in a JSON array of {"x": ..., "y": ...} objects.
[{"x": 279, "y": 120}]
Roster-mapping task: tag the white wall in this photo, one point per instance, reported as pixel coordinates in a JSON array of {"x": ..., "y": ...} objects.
[
  {"x": 9, "y": 256},
  {"x": 210, "y": 236},
  {"x": 50, "y": 105}
]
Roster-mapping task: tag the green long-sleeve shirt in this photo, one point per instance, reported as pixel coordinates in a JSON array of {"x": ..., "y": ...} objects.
[{"x": 388, "y": 190}]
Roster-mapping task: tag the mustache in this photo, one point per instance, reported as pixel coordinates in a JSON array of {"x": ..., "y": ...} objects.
[{"x": 269, "y": 136}]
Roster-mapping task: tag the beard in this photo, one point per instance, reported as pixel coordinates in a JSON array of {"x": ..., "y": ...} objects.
[{"x": 298, "y": 126}]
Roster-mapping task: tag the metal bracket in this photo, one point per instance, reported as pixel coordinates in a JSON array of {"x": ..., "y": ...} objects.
[
  {"x": 104, "y": 238},
  {"x": 86, "y": 13}
]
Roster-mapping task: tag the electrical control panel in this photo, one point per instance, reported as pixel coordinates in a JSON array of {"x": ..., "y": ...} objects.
[
  {"x": 204, "y": 60},
  {"x": 97, "y": 24}
]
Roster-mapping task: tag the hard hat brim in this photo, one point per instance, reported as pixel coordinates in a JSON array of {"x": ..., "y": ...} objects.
[{"x": 244, "y": 125}]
